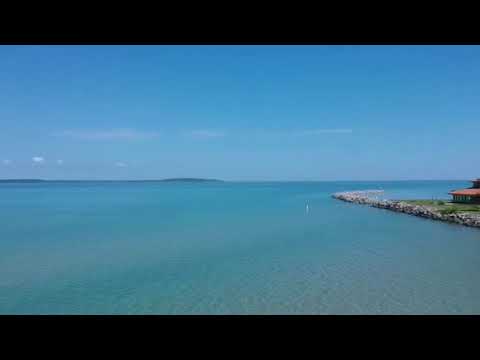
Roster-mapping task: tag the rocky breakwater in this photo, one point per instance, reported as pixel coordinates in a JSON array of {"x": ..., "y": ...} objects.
[{"x": 370, "y": 198}]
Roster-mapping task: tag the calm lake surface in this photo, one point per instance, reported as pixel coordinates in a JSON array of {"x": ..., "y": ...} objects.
[{"x": 230, "y": 248}]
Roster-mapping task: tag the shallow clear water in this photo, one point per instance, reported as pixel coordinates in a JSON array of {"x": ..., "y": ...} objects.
[{"x": 230, "y": 248}]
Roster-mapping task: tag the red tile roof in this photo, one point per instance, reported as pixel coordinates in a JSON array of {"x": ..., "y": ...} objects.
[{"x": 468, "y": 192}]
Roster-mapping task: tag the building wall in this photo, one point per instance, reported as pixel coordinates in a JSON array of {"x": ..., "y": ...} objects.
[{"x": 466, "y": 199}]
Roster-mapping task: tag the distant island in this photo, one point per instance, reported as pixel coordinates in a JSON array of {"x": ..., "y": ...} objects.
[
  {"x": 190, "y": 180},
  {"x": 20, "y": 180}
]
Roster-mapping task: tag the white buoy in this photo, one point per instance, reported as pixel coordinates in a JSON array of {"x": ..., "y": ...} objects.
[{"x": 306, "y": 209}]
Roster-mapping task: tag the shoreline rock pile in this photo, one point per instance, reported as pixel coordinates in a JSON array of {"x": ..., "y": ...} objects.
[{"x": 365, "y": 198}]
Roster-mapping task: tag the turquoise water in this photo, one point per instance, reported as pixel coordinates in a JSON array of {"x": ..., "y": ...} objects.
[{"x": 230, "y": 248}]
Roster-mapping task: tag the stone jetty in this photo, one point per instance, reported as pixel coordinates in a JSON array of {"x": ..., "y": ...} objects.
[{"x": 371, "y": 198}]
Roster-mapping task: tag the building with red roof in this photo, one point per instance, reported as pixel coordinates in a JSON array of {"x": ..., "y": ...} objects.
[{"x": 470, "y": 196}]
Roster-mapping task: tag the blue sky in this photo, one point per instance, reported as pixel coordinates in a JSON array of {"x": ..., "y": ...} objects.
[{"x": 240, "y": 112}]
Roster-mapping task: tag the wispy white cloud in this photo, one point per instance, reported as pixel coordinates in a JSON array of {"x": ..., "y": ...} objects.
[
  {"x": 114, "y": 134},
  {"x": 324, "y": 131},
  {"x": 38, "y": 159},
  {"x": 120, "y": 164},
  {"x": 6, "y": 162},
  {"x": 206, "y": 134}
]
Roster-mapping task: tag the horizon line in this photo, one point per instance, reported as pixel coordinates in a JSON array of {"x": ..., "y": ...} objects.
[{"x": 221, "y": 180}]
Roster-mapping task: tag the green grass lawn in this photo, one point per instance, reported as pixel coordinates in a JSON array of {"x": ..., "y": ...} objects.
[{"x": 446, "y": 207}]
